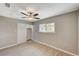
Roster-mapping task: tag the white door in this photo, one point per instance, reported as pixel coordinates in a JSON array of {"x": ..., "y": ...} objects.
[{"x": 21, "y": 34}]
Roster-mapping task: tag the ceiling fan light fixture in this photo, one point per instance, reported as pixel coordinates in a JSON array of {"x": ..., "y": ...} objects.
[{"x": 30, "y": 18}]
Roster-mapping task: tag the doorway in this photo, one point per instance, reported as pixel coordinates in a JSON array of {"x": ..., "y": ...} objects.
[{"x": 29, "y": 34}]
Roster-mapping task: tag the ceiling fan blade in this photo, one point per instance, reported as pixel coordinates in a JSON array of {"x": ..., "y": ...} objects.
[
  {"x": 24, "y": 13},
  {"x": 36, "y": 14},
  {"x": 37, "y": 18}
]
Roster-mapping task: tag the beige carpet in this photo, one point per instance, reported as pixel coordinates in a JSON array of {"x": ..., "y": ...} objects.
[{"x": 31, "y": 48}]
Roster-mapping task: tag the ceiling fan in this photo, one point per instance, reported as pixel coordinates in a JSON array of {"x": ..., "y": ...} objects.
[{"x": 30, "y": 15}]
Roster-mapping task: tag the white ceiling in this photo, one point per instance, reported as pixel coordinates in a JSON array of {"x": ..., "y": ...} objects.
[{"x": 45, "y": 10}]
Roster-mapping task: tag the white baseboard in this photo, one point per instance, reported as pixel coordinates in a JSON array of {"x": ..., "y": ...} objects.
[
  {"x": 10, "y": 46},
  {"x": 56, "y": 48},
  {"x": 7, "y": 46}
]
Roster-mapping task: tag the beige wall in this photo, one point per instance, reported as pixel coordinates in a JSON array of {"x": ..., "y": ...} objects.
[
  {"x": 64, "y": 38},
  {"x": 66, "y": 32},
  {"x": 78, "y": 32},
  {"x": 8, "y": 31}
]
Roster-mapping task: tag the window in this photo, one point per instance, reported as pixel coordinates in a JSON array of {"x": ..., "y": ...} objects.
[{"x": 47, "y": 27}]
